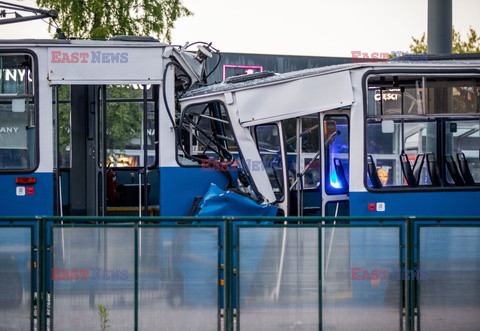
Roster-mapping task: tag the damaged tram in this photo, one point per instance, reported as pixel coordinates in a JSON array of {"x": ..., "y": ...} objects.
[
  {"x": 88, "y": 128},
  {"x": 129, "y": 127},
  {"x": 373, "y": 139}
]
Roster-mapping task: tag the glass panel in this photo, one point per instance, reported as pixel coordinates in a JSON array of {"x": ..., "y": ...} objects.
[
  {"x": 452, "y": 96},
  {"x": 310, "y": 147},
  {"x": 206, "y": 139},
  {"x": 206, "y": 136},
  {"x": 124, "y": 136},
  {"x": 410, "y": 95},
  {"x": 268, "y": 144},
  {"x": 16, "y": 74},
  {"x": 308, "y": 131},
  {"x": 17, "y": 113},
  {"x": 290, "y": 129},
  {"x": 387, "y": 138},
  {"x": 278, "y": 279},
  {"x": 449, "y": 293},
  {"x": 15, "y": 278},
  {"x": 447, "y": 143},
  {"x": 309, "y": 135},
  {"x": 92, "y": 267},
  {"x": 337, "y": 155},
  {"x": 178, "y": 279},
  {"x": 395, "y": 101},
  {"x": 337, "y": 208},
  {"x": 64, "y": 125},
  {"x": 462, "y": 136},
  {"x": 361, "y": 286}
]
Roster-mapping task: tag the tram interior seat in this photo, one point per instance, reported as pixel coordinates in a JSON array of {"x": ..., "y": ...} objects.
[
  {"x": 433, "y": 170},
  {"x": 412, "y": 175},
  {"x": 341, "y": 173},
  {"x": 453, "y": 170},
  {"x": 372, "y": 172},
  {"x": 464, "y": 169}
]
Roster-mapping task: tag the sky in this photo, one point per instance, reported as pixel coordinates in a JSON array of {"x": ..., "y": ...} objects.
[{"x": 300, "y": 27}]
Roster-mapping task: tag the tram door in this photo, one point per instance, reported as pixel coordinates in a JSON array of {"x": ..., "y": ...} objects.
[
  {"x": 317, "y": 148},
  {"x": 101, "y": 157},
  {"x": 306, "y": 159},
  {"x": 336, "y": 151}
]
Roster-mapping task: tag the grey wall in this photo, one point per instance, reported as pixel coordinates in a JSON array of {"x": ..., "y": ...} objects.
[{"x": 275, "y": 63}]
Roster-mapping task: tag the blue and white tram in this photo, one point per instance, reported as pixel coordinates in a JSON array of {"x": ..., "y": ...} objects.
[
  {"x": 377, "y": 139},
  {"x": 88, "y": 128}
]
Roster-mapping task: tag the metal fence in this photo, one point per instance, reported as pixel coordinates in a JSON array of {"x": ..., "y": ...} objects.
[{"x": 239, "y": 273}]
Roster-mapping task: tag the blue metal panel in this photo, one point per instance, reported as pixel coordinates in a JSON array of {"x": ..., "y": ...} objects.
[
  {"x": 417, "y": 203},
  {"x": 218, "y": 202},
  {"x": 180, "y": 185},
  {"x": 38, "y": 203}
]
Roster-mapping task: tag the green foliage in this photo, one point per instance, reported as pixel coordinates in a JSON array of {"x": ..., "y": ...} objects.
[
  {"x": 103, "y": 315},
  {"x": 471, "y": 45},
  {"x": 64, "y": 118},
  {"x": 419, "y": 46},
  {"x": 106, "y": 18},
  {"x": 124, "y": 119}
]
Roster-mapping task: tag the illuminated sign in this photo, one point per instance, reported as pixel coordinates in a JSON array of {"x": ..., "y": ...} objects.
[
  {"x": 235, "y": 70},
  {"x": 386, "y": 96}
]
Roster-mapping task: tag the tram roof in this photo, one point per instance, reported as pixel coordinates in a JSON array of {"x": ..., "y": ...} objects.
[
  {"x": 262, "y": 78},
  {"x": 117, "y": 41}
]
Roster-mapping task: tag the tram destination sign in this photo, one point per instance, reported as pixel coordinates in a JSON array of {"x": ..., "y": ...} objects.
[{"x": 106, "y": 64}]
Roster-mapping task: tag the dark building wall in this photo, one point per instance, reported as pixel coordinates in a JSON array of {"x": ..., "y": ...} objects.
[{"x": 275, "y": 63}]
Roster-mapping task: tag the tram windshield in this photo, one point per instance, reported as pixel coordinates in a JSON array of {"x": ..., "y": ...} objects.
[
  {"x": 423, "y": 131},
  {"x": 17, "y": 113}
]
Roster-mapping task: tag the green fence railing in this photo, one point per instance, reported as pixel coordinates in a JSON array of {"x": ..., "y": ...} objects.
[{"x": 232, "y": 273}]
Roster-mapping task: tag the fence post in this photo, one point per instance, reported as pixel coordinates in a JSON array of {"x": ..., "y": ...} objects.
[
  {"x": 41, "y": 275},
  {"x": 228, "y": 246},
  {"x": 320, "y": 276},
  {"x": 135, "y": 294},
  {"x": 409, "y": 267}
]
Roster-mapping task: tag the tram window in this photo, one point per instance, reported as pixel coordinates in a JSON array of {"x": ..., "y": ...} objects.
[
  {"x": 411, "y": 137},
  {"x": 17, "y": 114},
  {"x": 268, "y": 144},
  {"x": 336, "y": 146},
  {"x": 424, "y": 116},
  {"x": 206, "y": 137},
  {"x": 452, "y": 96},
  {"x": 462, "y": 143},
  {"x": 307, "y": 129},
  {"x": 395, "y": 101},
  {"x": 124, "y": 125},
  {"x": 64, "y": 105},
  {"x": 394, "y": 95}
]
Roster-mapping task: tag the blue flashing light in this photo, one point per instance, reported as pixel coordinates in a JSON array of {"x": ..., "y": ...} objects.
[{"x": 334, "y": 182}]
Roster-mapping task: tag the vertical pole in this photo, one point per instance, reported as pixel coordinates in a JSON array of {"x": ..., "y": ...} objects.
[
  {"x": 298, "y": 166},
  {"x": 439, "y": 33},
  {"x": 103, "y": 146},
  {"x": 320, "y": 275},
  {"x": 228, "y": 274},
  {"x": 41, "y": 279},
  {"x": 407, "y": 275},
  {"x": 135, "y": 293},
  {"x": 145, "y": 150}
]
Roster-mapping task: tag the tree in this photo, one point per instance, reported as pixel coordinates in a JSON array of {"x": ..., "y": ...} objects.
[
  {"x": 106, "y": 18},
  {"x": 471, "y": 45}
]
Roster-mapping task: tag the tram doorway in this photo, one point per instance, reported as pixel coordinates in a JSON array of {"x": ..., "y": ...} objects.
[{"x": 106, "y": 138}]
